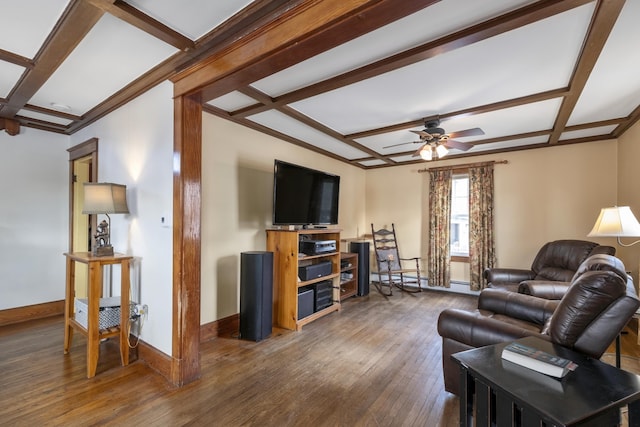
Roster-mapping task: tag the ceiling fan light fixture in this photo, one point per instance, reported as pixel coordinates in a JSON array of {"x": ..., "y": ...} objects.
[
  {"x": 441, "y": 150},
  {"x": 426, "y": 153}
]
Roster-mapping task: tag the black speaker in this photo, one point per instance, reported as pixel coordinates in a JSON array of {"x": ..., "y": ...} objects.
[
  {"x": 256, "y": 295},
  {"x": 362, "y": 249}
]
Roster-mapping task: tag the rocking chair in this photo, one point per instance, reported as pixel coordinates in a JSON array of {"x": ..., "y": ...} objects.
[{"x": 390, "y": 272}]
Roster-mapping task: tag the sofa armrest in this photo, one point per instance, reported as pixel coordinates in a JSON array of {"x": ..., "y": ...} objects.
[
  {"x": 477, "y": 330},
  {"x": 520, "y": 306},
  {"x": 544, "y": 289},
  {"x": 513, "y": 275}
]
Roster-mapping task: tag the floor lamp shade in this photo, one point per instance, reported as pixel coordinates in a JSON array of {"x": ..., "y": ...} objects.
[{"x": 617, "y": 221}]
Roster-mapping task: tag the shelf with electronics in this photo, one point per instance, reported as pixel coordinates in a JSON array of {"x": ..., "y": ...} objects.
[
  {"x": 290, "y": 311},
  {"x": 348, "y": 275}
]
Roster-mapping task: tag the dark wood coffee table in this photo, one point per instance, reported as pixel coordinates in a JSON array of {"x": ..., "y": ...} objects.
[{"x": 507, "y": 394}]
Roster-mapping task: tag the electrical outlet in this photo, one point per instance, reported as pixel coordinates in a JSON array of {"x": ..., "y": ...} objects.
[{"x": 141, "y": 310}]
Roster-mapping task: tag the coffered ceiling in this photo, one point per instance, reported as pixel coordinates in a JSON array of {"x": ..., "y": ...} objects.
[{"x": 529, "y": 74}]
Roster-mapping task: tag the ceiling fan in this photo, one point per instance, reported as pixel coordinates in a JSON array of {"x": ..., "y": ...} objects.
[{"x": 436, "y": 142}]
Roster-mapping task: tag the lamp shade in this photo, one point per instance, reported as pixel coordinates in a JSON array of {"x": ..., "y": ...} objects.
[
  {"x": 617, "y": 221},
  {"x": 426, "y": 153},
  {"x": 441, "y": 150},
  {"x": 104, "y": 198}
]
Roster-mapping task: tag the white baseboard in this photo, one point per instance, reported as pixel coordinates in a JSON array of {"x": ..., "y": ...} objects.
[{"x": 457, "y": 287}]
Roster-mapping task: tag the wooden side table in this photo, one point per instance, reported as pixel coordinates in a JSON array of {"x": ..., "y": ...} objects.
[{"x": 92, "y": 331}]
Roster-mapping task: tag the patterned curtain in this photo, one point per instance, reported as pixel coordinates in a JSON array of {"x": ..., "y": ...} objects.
[
  {"x": 481, "y": 240},
  {"x": 438, "y": 267}
]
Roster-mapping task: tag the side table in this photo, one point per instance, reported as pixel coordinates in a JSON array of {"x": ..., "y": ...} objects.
[
  {"x": 507, "y": 394},
  {"x": 92, "y": 331}
]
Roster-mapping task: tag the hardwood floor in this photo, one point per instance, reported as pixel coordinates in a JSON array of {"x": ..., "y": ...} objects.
[{"x": 377, "y": 362}]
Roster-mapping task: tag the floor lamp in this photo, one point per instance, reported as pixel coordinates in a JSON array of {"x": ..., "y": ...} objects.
[{"x": 616, "y": 221}]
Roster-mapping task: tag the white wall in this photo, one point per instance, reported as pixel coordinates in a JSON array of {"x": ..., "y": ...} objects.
[
  {"x": 34, "y": 218},
  {"x": 237, "y": 191},
  {"x": 135, "y": 148}
]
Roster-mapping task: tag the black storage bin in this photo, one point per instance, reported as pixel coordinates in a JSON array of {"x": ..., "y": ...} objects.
[{"x": 305, "y": 302}]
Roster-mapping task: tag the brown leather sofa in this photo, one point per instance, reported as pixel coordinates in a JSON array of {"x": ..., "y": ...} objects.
[
  {"x": 597, "y": 305},
  {"x": 556, "y": 261}
]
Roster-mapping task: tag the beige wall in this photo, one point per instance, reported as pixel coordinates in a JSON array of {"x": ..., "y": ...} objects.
[
  {"x": 237, "y": 177},
  {"x": 541, "y": 195},
  {"x": 629, "y": 193}
]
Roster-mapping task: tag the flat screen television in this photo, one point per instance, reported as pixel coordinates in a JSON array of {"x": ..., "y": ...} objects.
[{"x": 303, "y": 196}]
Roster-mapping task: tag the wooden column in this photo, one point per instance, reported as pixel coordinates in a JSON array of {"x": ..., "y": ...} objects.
[
  {"x": 299, "y": 32},
  {"x": 187, "y": 168}
]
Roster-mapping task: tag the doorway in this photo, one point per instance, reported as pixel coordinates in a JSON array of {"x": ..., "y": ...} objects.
[{"x": 83, "y": 167}]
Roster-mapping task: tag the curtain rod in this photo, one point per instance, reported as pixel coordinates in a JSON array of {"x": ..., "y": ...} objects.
[{"x": 466, "y": 165}]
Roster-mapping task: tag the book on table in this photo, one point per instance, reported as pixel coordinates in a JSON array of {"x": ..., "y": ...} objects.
[{"x": 538, "y": 360}]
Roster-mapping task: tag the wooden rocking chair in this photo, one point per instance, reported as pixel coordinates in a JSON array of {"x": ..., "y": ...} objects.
[{"x": 390, "y": 272}]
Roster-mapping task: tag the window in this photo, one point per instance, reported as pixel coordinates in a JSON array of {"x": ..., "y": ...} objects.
[{"x": 459, "y": 215}]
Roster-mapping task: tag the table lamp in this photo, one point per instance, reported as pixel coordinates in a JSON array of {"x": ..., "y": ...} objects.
[
  {"x": 617, "y": 221},
  {"x": 104, "y": 198}
]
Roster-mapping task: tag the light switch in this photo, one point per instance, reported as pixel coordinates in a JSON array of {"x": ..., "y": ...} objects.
[{"x": 165, "y": 221}]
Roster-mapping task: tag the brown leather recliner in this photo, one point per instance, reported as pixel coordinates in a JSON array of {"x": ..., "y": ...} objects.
[
  {"x": 597, "y": 305},
  {"x": 556, "y": 261}
]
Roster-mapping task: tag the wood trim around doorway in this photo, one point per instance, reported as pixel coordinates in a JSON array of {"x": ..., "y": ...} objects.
[{"x": 88, "y": 148}]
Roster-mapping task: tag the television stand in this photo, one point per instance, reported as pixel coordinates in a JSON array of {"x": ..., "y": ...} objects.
[{"x": 285, "y": 245}]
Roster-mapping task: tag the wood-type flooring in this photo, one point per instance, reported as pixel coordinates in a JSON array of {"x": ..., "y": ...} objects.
[{"x": 377, "y": 362}]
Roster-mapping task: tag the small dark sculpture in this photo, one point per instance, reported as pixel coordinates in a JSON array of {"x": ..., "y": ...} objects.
[{"x": 102, "y": 240}]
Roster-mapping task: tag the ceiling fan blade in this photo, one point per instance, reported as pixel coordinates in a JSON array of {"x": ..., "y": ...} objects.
[
  {"x": 402, "y": 143},
  {"x": 425, "y": 136},
  {"x": 417, "y": 153},
  {"x": 468, "y": 132},
  {"x": 462, "y": 146}
]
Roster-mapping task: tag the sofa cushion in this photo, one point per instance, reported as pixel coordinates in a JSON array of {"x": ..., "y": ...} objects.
[{"x": 555, "y": 274}]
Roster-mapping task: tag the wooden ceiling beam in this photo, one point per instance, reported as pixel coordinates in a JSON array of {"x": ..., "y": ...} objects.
[
  {"x": 12, "y": 127},
  {"x": 239, "y": 26},
  {"x": 633, "y": 118},
  {"x": 15, "y": 59},
  {"x": 509, "y": 103},
  {"x": 502, "y": 24},
  {"x": 30, "y": 122},
  {"x": 271, "y": 132},
  {"x": 295, "y": 114},
  {"x": 149, "y": 25},
  {"x": 604, "y": 19},
  {"x": 76, "y": 21},
  {"x": 298, "y": 34},
  {"x": 54, "y": 113},
  {"x": 304, "y": 119}
]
